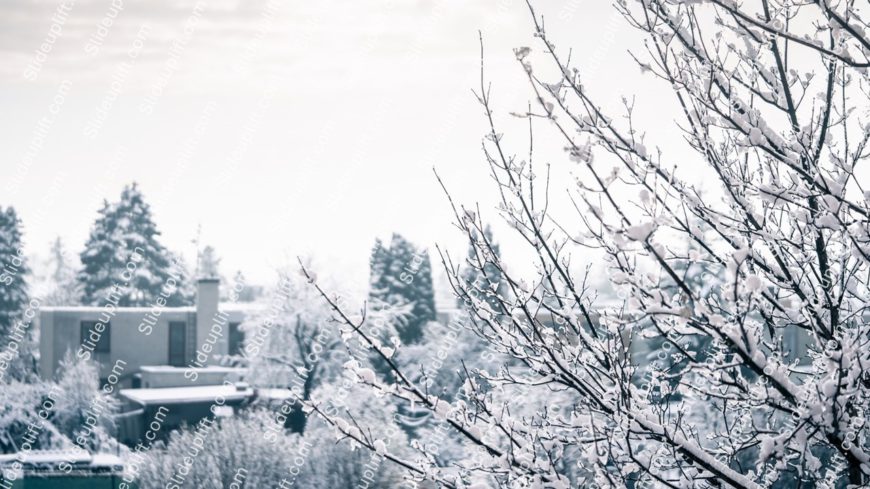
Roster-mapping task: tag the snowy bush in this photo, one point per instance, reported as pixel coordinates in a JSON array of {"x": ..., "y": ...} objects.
[
  {"x": 84, "y": 410},
  {"x": 73, "y": 412},
  {"x": 213, "y": 457},
  {"x": 23, "y": 410},
  {"x": 332, "y": 464}
]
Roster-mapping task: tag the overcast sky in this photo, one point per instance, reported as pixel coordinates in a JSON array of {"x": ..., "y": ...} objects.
[{"x": 280, "y": 128}]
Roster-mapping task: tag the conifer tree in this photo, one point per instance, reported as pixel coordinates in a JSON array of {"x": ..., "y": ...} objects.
[
  {"x": 13, "y": 270},
  {"x": 402, "y": 275},
  {"x": 17, "y": 310},
  {"x": 377, "y": 265},
  {"x": 481, "y": 273},
  {"x": 242, "y": 291},
  {"x": 122, "y": 231},
  {"x": 60, "y": 285},
  {"x": 185, "y": 293}
]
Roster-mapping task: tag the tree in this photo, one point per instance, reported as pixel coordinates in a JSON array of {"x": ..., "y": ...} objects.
[
  {"x": 773, "y": 97},
  {"x": 344, "y": 466},
  {"x": 378, "y": 262},
  {"x": 18, "y": 357},
  {"x": 123, "y": 252},
  {"x": 402, "y": 275},
  {"x": 242, "y": 291},
  {"x": 59, "y": 282},
  {"x": 481, "y": 275},
  {"x": 209, "y": 267},
  {"x": 291, "y": 344},
  {"x": 84, "y": 412},
  {"x": 13, "y": 271},
  {"x": 209, "y": 263},
  {"x": 185, "y": 289}
]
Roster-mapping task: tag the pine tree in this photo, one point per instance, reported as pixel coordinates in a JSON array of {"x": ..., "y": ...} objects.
[
  {"x": 241, "y": 291},
  {"x": 13, "y": 270},
  {"x": 377, "y": 265},
  {"x": 16, "y": 308},
  {"x": 185, "y": 293},
  {"x": 424, "y": 292},
  {"x": 120, "y": 230},
  {"x": 486, "y": 281},
  {"x": 402, "y": 275},
  {"x": 59, "y": 282}
]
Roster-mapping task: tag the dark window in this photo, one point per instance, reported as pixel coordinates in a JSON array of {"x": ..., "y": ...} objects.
[
  {"x": 236, "y": 339},
  {"x": 177, "y": 336},
  {"x": 96, "y": 336}
]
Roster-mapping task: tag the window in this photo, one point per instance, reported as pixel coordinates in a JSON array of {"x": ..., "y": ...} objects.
[
  {"x": 236, "y": 339},
  {"x": 96, "y": 336},
  {"x": 177, "y": 340},
  {"x": 796, "y": 340}
]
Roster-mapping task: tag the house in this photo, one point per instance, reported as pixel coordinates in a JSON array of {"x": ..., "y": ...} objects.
[{"x": 123, "y": 340}]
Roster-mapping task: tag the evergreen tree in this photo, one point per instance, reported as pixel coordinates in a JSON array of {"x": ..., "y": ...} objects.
[
  {"x": 16, "y": 310},
  {"x": 377, "y": 264},
  {"x": 60, "y": 286},
  {"x": 13, "y": 269},
  {"x": 402, "y": 275},
  {"x": 120, "y": 229},
  {"x": 486, "y": 281},
  {"x": 242, "y": 291},
  {"x": 186, "y": 290}
]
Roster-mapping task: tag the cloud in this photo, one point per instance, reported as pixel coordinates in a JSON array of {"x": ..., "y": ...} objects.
[
  {"x": 231, "y": 42},
  {"x": 86, "y": 39}
]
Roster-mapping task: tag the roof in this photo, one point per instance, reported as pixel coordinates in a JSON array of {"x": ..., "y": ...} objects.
[
  {"x": 192, "y": 394},
  {"x": 279, "y": 394},
  {"x": 54, "y": 457},
  {"x": 99, "y": 309},
  {"x": 241, "y": 306},
  {"x": 223, "y": 306},
  {"x": 171, "y": 369}
]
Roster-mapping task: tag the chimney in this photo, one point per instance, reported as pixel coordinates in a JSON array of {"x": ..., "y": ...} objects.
[{"x": 207, "y": 297}]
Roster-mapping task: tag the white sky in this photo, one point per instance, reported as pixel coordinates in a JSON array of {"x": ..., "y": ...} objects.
[{"x": 366, "y": 98}]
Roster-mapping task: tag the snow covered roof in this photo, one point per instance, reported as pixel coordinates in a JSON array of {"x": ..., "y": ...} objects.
[
  {"x": 97, "y": 309},
  {"x": 54, "y": 457},
  {"x": 241, "y": 306},
  {"x": 192, "y": 394},
  {"x": 278, "y": 394},
  {"x": 223, "y": 306},
  {"x": 170, "y": 369},
  {"x": 105, "y": 460}
]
